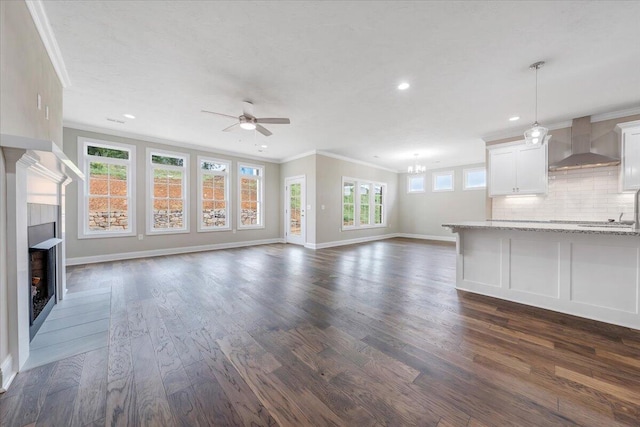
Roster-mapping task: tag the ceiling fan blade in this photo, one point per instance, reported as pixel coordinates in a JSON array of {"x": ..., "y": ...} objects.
[
  {"x": 247, "y": 109},
  {"x": 232, "y": 127},
  {"x": 219, "y": 114},
  {"x": 274, "y": 121},
  {"x": 263, "y": 130}
]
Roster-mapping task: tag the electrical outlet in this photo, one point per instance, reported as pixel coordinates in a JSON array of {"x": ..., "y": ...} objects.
[
  {"x": 140, "y": 236},
  {"x": 39, "y": 102},
  {"x": 46, "y": 112},
  {"x": 234, "y": 231}
]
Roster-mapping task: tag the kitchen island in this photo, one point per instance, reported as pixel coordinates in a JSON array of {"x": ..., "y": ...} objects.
[{"x": 589, "y": 270}]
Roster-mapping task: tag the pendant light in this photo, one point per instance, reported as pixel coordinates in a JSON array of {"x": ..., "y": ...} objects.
[
  {"x": 536, "y": 134},
  {"x": 416, "y": 168}
]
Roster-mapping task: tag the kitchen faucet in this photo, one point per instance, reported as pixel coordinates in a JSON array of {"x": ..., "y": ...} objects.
[{"x": 636, "y": 214}]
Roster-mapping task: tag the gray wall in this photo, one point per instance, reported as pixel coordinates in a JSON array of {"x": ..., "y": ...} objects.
[
  {"x": 304, "y": 166},
  {"x": 424, "y": 213},
  {"x": 4, "y": 315},
  {"x": 115, "y": 245},
  {"x": 329, "y": 173}
]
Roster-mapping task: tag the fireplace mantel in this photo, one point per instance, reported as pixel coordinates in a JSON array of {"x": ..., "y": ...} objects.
[{"x": 31, "y": 164}]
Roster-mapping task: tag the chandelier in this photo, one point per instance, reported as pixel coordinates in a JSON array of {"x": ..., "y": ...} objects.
[{"x": 416, "y": 168}]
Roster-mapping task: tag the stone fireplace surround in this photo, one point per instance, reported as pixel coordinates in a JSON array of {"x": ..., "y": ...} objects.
[{"x": 37, "y": 173}]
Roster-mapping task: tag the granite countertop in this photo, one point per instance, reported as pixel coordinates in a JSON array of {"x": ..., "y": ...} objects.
[{"x": 586, "y": 227}]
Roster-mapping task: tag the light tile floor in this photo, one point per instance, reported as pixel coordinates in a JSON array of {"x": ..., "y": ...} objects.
[{"x": 77, "y": 324}]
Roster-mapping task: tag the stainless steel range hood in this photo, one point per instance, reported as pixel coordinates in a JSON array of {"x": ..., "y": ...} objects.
[{"x": 581, "y": 154}]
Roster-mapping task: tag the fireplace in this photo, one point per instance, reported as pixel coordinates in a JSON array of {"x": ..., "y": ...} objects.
[{"x": 42, "y": 273}]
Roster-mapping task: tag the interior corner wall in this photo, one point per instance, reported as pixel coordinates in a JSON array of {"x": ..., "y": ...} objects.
[
  {"x": 111, "y": 248},
  {"x": 4, "y": 316},
  {"x": 329, "y": 173},
  {"x": 304, "y": 166},
  {"x": 422, "y": 214}
]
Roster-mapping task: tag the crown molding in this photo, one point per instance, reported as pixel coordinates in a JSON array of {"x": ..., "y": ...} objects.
[
  {"x": 41, "y": 21},
  {"x": 615, "y": 115},
  {"x": 511, "y": 133},
  {"x": 298, "y": 156},
  {"x": 348, "y": 159},
  {"x": 155, "y": 140}
]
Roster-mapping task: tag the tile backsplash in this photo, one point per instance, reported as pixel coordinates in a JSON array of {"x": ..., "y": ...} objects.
[{"x": 574, "y": 195}]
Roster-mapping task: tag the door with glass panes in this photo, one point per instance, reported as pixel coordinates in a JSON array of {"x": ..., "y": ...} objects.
[{"x": 295, "y": 210}]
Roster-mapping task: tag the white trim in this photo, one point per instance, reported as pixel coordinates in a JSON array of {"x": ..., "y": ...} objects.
[
  {"x": 227, "y": 184},
  {"x": 168, "y": 251},
  {"x": 510, "y": 133},
  {"x": 303, "y": 203},
  {"x": 298, "y": 156},
  {"x": 7, "y": 373},
  {"x": 41, "y": 21},
  {"x": 261, "y": 202},
  {"x": 424, "y": 182},
  {"x": 155, "y": 140},
  {"x": 349, "y": 159},
  {"x": 615, "y": 114},
  {"x": 626, "y": 125},
  {"x": 427, "y": 237},
  {"x": 335, "y": 243},
  {"x": 150, "y": 167},
  {"x": 465, "y": 171},
  {"x": 443, "y": 173},
  {"x": 83, "y": 196}
]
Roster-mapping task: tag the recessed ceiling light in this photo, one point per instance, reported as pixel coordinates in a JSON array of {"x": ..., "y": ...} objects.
[
  {"x": 403, "y": 86},
  {"x": 264, "y": 146},
  {"x": 129, "y": 116},
  {"x": 514, "y": 118}
]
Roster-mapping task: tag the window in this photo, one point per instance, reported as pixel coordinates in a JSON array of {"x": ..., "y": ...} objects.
[
  {"x": 251, "y": 189},
  {"x": 475, "y": 179},
  {"x": 362, "y": 204},
  {"x": 415, "y": 183},
  {"x": 443, "y": 181},
  {"x": 213, "y": 194},
  {"x": 348, "y": 204},
  {"x": 106, "y": 198},
  {"x": 167, "y": 192}
]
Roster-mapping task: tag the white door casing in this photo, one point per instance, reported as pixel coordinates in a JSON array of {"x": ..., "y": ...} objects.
[{"x": 294, "y": 210}]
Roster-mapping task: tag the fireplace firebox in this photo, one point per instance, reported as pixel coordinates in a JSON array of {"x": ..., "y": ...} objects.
[{"x": 42, "y": 273}]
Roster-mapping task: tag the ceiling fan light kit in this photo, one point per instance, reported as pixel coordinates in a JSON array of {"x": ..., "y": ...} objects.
[
  {"x": 536, "y": 134},
  {"x": 248, "y": 121}
]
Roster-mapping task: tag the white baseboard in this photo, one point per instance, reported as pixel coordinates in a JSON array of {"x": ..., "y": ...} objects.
[
  {"x": 428, "y": 237},
  {"x": 349, "y": 241},
  {"x": 168, "y": 251},
  {"x": 7, "y": 373}
]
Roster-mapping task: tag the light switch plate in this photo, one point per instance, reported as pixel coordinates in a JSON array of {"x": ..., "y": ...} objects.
[{"x": 39, "y": 102}]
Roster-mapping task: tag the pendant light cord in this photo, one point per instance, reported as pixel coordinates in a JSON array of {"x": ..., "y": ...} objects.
[{"x": 537, "y": 94}]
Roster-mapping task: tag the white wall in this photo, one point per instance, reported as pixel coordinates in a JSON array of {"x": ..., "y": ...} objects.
[
  {"x": 422, "y": 214},
  {"x": 304, "y": 166},
  {"x": 574, "y": 195},
  {"x": 101, "y": 247}
]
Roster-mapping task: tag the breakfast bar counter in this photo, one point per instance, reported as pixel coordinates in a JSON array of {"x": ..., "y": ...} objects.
[{"x": 590, "y": 270}]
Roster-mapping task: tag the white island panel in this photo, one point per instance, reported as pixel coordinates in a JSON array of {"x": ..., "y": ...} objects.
[
  {"x": 605, "y": 276},
  {"x": 534, "y": 267},
  {"x": 591, "y": 272}
]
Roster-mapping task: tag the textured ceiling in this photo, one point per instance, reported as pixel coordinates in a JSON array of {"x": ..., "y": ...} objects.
[{"x": 333, "y": 68}]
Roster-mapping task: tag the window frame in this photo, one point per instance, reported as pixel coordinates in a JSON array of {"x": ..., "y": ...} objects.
[
  {"x": 357, "y": 204},
  {"x": 443, "y": 173},
  {"x": 261, "y": 202},
  {"x": 228, "y": 176},
  {"x": 465, "y": 173},
  {"x": 151, "y": 167},
  {"x": 83, "y": 187},
  {"x": 424, "y": 183}
]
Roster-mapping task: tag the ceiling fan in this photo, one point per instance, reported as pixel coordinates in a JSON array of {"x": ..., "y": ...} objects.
[{"x": 249, "y": 121}]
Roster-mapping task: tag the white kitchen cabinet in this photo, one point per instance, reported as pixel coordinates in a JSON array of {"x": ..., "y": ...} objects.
[
  {"x": 517, "y": 169},
  {"x": 630, "y": 155}
]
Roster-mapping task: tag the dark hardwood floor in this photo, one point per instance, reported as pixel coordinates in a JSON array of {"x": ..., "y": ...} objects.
[{"x": 364, "y": 335}]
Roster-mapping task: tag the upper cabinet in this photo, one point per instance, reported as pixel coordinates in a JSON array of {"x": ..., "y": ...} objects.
[
  {"x": 630, "y": 153},
  {"x": 517, "y": 169}
]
